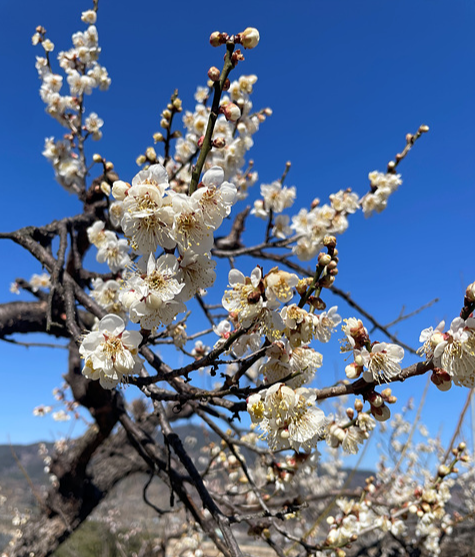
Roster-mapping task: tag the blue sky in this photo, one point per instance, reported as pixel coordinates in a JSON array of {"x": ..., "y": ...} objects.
[{"x": 346, "y": 81}]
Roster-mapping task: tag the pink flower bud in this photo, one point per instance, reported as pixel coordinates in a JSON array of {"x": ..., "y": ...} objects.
[
  {"x": 231, "y": 112},
  {"x": 214, "y": 73}
]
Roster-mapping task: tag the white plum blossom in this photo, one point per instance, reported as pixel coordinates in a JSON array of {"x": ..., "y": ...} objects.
[
  {"x": 39, "y": 281},
  {"x": 277, "y": 197},
  {"x": 279, "y": 285},
  {"x": 150, "y": 294},
  {"x": 245, "y": 299},
  {"x": 325, "y": 323},
  {"x": 215, "y": 197},
  {"x": 110, "y": 353},
  {"x": 115, "y": 253},
  {"x": 190, "y": 229},
  {"x": 195, "y": 272},
  {"x": 106, "y": 295},
  {"x": 382, "y": 363},
  {"x": 456, "y": 352}
]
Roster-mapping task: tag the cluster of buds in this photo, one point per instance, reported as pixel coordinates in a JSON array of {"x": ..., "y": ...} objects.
[
  {"x": 329, "y": 262},
  {"x": 103, "y": 184},
  {"x": 249, "y": 38},
  {"x": 379, "y": 401},
  {"x": 174, "y": 106}
]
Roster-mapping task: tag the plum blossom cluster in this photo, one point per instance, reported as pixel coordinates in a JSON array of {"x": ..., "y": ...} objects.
[
  {"x": 322, "y": 220},
  {"x": 453, "y": 352},
  {"x": 83, "y": 75},
  {"x": 287, "y": 417},
  {"x": 382, "y": 186}
]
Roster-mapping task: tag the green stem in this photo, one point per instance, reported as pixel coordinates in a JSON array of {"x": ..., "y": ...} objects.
[{"x": 218, "y": 90}]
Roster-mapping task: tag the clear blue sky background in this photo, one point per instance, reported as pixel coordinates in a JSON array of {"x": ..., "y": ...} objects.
[{"x": 346, "y": 80}]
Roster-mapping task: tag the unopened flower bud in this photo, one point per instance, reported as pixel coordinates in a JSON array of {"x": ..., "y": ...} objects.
[
  {"x": 358, "y": 405},
  {"x": 249, "y": 37},
  {"x": 329, "y": 241},
  {"x": 177, "y": 104},
  {"x": 443, "y": 470},
  {"x": 227, "y": 85},
  {"x": 105, "y": 188},
  {"x": 200, "y": 141},
  {"x": 412, "y": 509},
  {"x": 109, "y": 166},
  {"x": 327, "y": 281},
  {"x": 386, "y": 393},
  {"x": 164, "y": 123},
  {"x": 462, "y": 446},
  {"x": 231, "y": 112},
  {"x": 96, "y": 158},
  {"x": 424, "y": 128},
  {"x": 48, "y": 45},
  {"x": 141, "y": 159},
  {"x": 470, "y": 292},
  {"x": 324, "y": 259},
  {"x": 350, "y": 413},
  {"x": 119, "y": 190},
  {"x": 375, "y": 399},
  {"x": 214, "y": 73},
  {"x": 215, "y": 39},
  {"x": 219, "y": 142},
  {"x": 317, "y": 302},
  {"x": 352, "y": 371},
  {"x": 151, "y": 154},
  {"x": 166, "y": 114}
]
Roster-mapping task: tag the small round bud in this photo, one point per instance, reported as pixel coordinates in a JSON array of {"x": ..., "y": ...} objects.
[
  {"x": 352, "y": 371},
  {"x": 424, "y": 128},
  {"x": 141, "y": 159},
  {"x": 330, "y": 520},
  {"x": 96, "y": 157},
  {"x": 443, "y": 471},
  {"x": 119, "y": 190},
  {"x": 157, "y": 136},
  {"x": 350, "y": 413},
  {"x": 166, "y": 114},
  {"x": 249, "y": 38},
  {"x": 324, "y": 259},
  {"x": 215, "y": 39},
  {"x": 329, "y": 241},
  {"x": 219, "y": 142},
  {"x": 231, "y": 112},
  {"x": 386, "y": 393},
  {"x": 317, "y": 302},
  {"x": 327, "y": 281},
  {"x": 177, "y": 104},
  {"x": 109, "y": 166},
  {"x": 375, "y": 399},
  {"x": 214, "y": 73},
  {"x": 164, "y": 123},
  {"x": 227, "y": 85},
  {"x": 151, "y": 154},
  {"x": 412, "y": 509},
  {"x": 462, "y": 446},
  {"x": 470, "y": 292},
  {"x": 200, "y": 141},
  {"x": 358, "y": 405}
]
